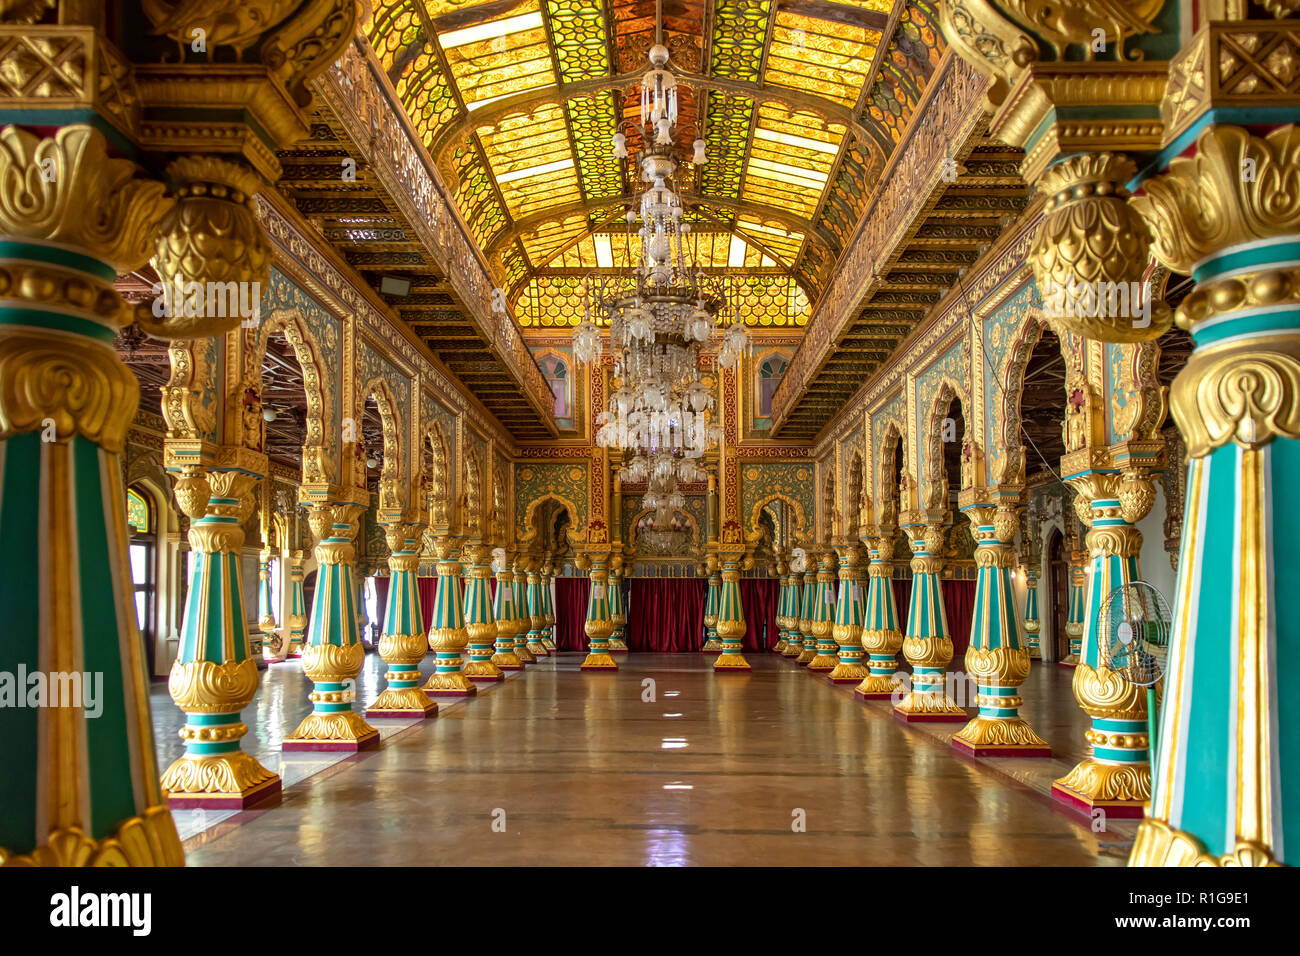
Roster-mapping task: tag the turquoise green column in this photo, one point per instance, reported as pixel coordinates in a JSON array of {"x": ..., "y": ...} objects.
[
  {"x": 731, "y": 618},
  {"x": 480, "y": 622},
  {"x": 823, "y": 618},
  {"x": 782, "y": 608},
  {"x": 518, "y": 601},
  {"x": 711, "y": 601},
  {"x": 296, "y": 621},
  {"x": 533, "y": 612},
  {"x": 447, "y": 634},
  {"x": 1077, "y": 612},
  {"x": 505, "y": 618},
  {"x": 1032, "y": 623},
  {"x": 74, "y": 782},
  {"x": 617, "y": 612},
  {"x": 927, "y": 646},
  {"x": 881, "y": 636},
  {"x": 599, "y": 625},
  {"x": 847, "y": 632},
  {"x": 808, "y": 646},
  {"x": 548, "y": 606},
  {"x": 334, "y": 654},
  {"x": 996, "y": 657},
  {"x": 793, "y": 635},
  {"x": 266, "y": 607},
  {"x": 403, "y": 644}
]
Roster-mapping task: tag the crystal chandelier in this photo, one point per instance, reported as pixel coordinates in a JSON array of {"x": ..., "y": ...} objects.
[{"x": 661, "y": 313}]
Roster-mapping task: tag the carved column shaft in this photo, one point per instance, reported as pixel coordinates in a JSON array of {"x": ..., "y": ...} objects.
[
  {"x": 927, "y": 646},
  {"x": 598, "y": 626},
  {"x": 731, "y": 618},
  {"x": 808, "y": 611},
  {"x": 503, "y": 614},
  {"x": 447, "y": 634},
  {"x": 881, "y": 636},
  {"x": 403, "y": 644},
  {"x": 480, "y": 622}
]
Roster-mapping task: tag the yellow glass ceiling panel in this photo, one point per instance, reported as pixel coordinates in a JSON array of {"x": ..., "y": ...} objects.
[
  {"x": 502, "y": 57},
  {"x": 532, "y": 161},
  {"x": 550, "y": 237},
  {"x": 827, "y": 59}
]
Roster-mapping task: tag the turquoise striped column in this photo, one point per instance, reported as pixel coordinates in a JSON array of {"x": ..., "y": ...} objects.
[
  {"x": 996, "y": 657},
  {"x": 881, "y": 637},
  {"x": 848, "y": 621},
  {"x": 1117, "y": 777},
  {"x": 266, "y": 607},
  {"x": 334, "y": 654},
  {"x": 519, "y": 602},
  {"x": 731, "y": 618},
  {"x": 403, "y": 644},
  {"x": 808, "y": 647},
  {"x": 214, "y": 675},
  {"x": 296, "y": 620},
  {"x": 1077, "y": 612},
  {"x": 447, "y": 634},
  {"x": 1032, "y": 624},
  {"x": 782, "y": 608},
  {"x": 480, "y": 621},
  {"x": 533, "y": 614},
  {"x": 617, "y": 613},
  {"x": 794, "y": 636},
  {"x": 1228, "y": 745},
  {"x": 503, "y": 615},
  {"x": 711, "y": 601},
  {"x": 824, "y": 616},
  {"x": 927, "y": 646},
  {"x": 599, "y": 626},
  {"x": 548, "y": 607},
  {"x": 74, "y": 791}
]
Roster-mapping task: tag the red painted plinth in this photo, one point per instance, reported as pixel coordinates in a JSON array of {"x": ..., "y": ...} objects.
[
  {"x": 331, "y": 746},
  {"x": 469, "y": 692},
  {"x": 403, "y": 714},
  {"x": 862, "y": 696},
  {"x": 844, "y": 680},
  {"x": 1120, "y": 811},
  {"x": 488, "y": 679},
  {"x": 931, "y": 718},
  {"x": 263, "y": 793}
]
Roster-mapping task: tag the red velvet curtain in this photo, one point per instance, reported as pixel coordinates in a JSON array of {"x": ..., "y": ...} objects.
[
  {"x": 381, "y": 600},
  {"x": 428, "y": 588},
  {"x": 958, "y": 606},
  {"x": 571, "y": 613},
  {"x": 665, "y": 614},
  {"x": 758, "y": 598}
]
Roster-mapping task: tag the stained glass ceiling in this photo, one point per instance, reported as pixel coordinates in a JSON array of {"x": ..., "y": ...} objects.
[{"x": 801, "y": 103}]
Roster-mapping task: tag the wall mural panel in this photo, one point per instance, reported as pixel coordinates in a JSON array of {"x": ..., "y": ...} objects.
[
  {"x": 567, "y": 481},
  {"x": 789, "y": 480}
]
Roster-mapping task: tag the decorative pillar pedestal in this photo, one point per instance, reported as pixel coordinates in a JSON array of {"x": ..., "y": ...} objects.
[
  {"x": 548, "y": 607},
  {"x": 1076, "y": 619},
  {"x": 272, "y": 652},
  {"x": 996, "y": 657},
  {"x": 503, "y": 613},
  {"x": 1227, "y": 752},
  {"x": 599, "y": 626},
  {"x": 214, "y": 676},
  {"x": 617, "y": 613},
  {"x": 808, "y": 649},
  {"x": 782, "y": 608},
  {"x": 824, "y": 617},
  {"x": 480, "y": 622},
  {"x": 847, "y": 631},
  {"x": 711, "y": 601},
  {"x": 74, "y": 791},
  {"x": 533, "y": 599},
  {"x": 881, "y": 637},
  {"x": 447, "y": 636},
  {"x": 403, "y": 644},
  {"x": 1117, "y": 777},
  {"x": 1032, "y": 625},
  {"x": 296, "y": 620},
  {"x": 731, "y": 618},
  {"x": 927, "y": 646},
  {"x": 334, "y": 654},
  {"x": 794, "y": 633},
  {"x": 522, "y": 621}
]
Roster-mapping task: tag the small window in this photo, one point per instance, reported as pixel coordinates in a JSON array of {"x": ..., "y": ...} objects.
[
  {"x": 770, "y": 371},
  {"x": 556, "y": 373},
  {"x": 138, "y": 513}
]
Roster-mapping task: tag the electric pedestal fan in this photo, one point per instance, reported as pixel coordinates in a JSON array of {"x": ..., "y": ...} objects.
[{"x": 1135, "y": 626}]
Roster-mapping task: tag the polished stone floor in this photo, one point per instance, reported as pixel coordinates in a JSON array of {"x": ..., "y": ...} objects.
[{"x": 663, "y": 762}]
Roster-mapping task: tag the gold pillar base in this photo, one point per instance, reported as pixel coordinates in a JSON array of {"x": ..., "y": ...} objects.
[
  {"x": 792, "y": 650},
  {"x": 342, "y": 731},
  {"x": 1159, "y": 844},
  {"x": 823, "y": 662},
  {"x": 525, "y": 656},
  {"x": 230, "y": 781},
  {"x": 538, "y": 649},
  {"x": 1000, "y": 737},
  {"x": 450, "y": 685},
  {"x": 807, "y": 655},
  {"x": 847, "y": 673},
  {"x": 549, "y": 645},
  {"x": 599, "y": 662},
  {"x": 731, "y": 662},
  {"x": 929, "y": 706},
  {"x": 507, "y": 661},
  {"x": 485, "y": 671},
  {"x": 402, "y": 702},
  {"x": 712, "y": 644},
  {"x": 1069, "y": 660},
  {"x": 1120, "y": 790},
  {"x": 878, "y": 687},
  {"x": 1034, "y": 654},
  {"x": 616, "y": 646},
  {"x": 780, "y": 647}
]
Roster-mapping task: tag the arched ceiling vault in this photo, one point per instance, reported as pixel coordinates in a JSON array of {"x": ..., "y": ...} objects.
[{"x": 801, "y": 102}]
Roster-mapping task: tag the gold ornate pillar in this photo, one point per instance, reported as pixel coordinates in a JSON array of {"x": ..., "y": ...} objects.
[
  {"x": 927, "y": 646},
  {"x": 447, "y": 634},
  {"x": 403, "y": 644},
  {"x": 881, "y": 637}
]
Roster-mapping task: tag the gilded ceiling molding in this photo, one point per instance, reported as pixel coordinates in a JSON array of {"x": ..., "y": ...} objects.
[{"x": 362, "y": 102}]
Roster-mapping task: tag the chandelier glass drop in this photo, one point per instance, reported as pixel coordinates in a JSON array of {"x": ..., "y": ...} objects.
[{"x": 661, "y": 314}]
